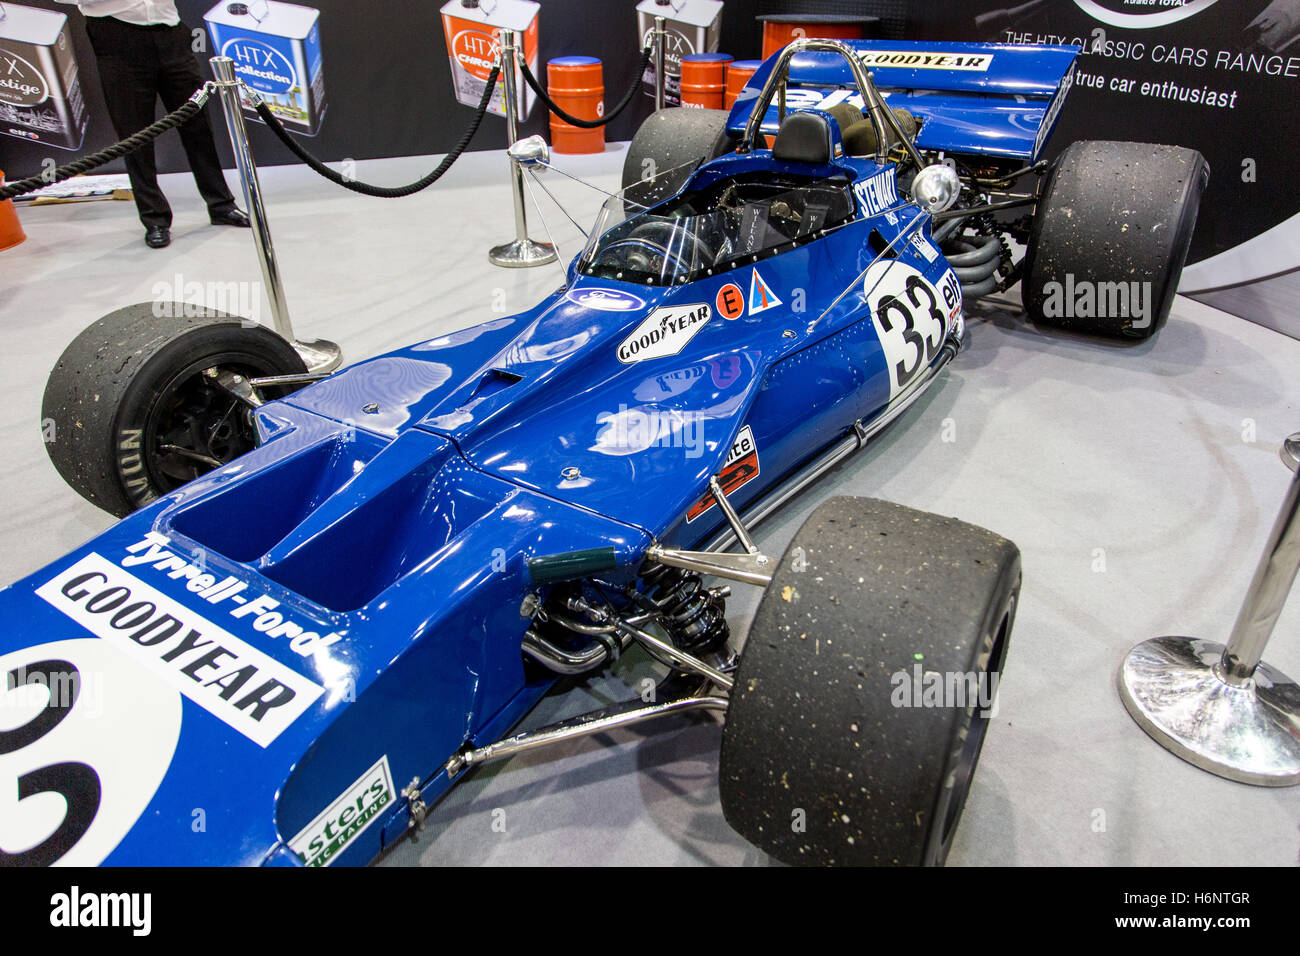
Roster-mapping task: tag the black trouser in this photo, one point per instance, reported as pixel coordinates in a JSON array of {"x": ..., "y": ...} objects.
[{"x": 137, "y": 65}]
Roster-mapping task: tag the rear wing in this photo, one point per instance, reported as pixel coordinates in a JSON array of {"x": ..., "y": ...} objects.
[{"x": 986, "y": 99}]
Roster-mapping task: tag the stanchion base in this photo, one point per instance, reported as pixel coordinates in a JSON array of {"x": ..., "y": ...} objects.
[
  {"x": 319, "y": 355},
  {"x": 1250, "y": 734},
  {"x": 521, "y": 254},
  {"x": 1290, "y": 452}
]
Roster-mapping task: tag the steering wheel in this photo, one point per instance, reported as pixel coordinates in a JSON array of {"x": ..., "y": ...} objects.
[{"x": 649, "y": 242}]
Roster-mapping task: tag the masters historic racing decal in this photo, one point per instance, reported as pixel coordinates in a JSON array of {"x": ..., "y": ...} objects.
[
  {"x": 740, "y": 468},
  {"x": 230, "y": 679},
  {"x": 665, "y": 332},
  {"x": 346, "y": 818},
  {"x": 912, "y": 316}
]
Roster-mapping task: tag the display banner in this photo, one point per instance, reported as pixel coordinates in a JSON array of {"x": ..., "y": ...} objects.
[
  {"x": 384, "y": 69},
  {"x": 1220, "y": 76}
]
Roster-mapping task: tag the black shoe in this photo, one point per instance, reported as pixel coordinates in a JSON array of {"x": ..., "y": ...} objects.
[
  {"x": 234, "y": 217},
  {"x": 158, "y": 237}
]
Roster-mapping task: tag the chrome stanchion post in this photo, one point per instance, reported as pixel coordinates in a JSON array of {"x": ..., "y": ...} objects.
[
  {"x": 318, "y": 355},
  {"x": 1222, "y": 708},
  {"x": 522, "y": 252},
  {"x": 661, "y": 38}
]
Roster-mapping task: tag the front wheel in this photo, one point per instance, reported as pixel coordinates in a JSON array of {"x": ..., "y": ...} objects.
[
  {"x": 139, "y": 403},
  {"x": 864, "y": 689}
]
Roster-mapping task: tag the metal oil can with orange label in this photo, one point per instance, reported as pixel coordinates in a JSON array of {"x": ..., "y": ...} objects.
[
  {"x": 470, "y": 27},
  {"x": 692, "y": 26},
  {"x": 40, "y": 90},
  {"x": 277, "y": 53}
]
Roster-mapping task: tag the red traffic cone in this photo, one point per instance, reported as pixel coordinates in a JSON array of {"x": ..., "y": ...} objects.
[{"x": 11, "y": 231}]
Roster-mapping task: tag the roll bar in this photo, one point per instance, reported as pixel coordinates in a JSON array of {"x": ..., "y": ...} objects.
[{"x": 882, "y": 118}]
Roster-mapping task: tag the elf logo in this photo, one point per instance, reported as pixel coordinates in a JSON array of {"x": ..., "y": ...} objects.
[
  {"x": 761, "y": 296},
  {"x": 321, "y": 841}
]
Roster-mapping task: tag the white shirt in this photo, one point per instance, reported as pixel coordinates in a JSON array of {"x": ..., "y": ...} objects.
[{"x": 140, "y": 12}]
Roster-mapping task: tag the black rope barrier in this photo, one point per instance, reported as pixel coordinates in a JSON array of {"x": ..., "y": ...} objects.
[
  {"x": 183, "y": 114},
  {"x": 582, "y": 123},
  {"x": 382, "y": 192}
]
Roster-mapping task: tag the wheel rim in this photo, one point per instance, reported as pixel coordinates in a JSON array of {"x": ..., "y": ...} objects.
[
  {"x": 194, "y": 425},
  {"x": 961, "y": 766}
]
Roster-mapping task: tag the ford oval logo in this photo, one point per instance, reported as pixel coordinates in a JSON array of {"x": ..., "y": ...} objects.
[{"x": 607, "y": 300}]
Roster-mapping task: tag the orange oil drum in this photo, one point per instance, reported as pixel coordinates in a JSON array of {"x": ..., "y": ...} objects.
[
  {"x": 577, "y": 85},
  {"x": 704, "y": 79},
  {"x": 779, "y": 31},
  {"x": 738, "y": 74}
]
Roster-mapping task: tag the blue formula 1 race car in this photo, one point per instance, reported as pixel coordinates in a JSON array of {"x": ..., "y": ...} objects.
[{"x": 329, "y": 597}]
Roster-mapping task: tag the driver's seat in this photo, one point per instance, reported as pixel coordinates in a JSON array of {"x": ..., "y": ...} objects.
[{"x": 804, "y": 137}]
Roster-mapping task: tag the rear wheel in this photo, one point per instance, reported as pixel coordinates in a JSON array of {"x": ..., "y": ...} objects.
[
  {"x": 839, "y": 746},
  {"x": 1110, "y": 236},
  {"x": 135, "y": 406},
  {"x": 670, "y": 138}
]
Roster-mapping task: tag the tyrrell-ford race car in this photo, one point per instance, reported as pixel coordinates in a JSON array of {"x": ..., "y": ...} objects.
[{"x": 329, "y": 598}]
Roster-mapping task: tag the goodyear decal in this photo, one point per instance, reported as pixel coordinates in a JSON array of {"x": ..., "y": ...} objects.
[
  {"x": 230, "y": 679},
  {"x": 665, "y": 332},
  {"x": 920, "y": 60}
]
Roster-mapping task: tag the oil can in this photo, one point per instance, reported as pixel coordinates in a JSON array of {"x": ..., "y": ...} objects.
[
  {"x": 692, "y": 26},
  {"x": 470, "y": 27},
  {"x": 277, "y": 52},
  {"x": 40, "y": 88}
]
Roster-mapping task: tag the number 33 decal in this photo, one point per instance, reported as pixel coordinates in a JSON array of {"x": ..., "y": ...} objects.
[
  {"x": 911, "y": 318},
  {"x": 86, "y": 737}
]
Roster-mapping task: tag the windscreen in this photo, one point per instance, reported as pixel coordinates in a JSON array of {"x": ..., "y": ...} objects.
[{"x": 701, "y": 231}]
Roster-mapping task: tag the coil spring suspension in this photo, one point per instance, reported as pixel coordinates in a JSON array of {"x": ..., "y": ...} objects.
[
  {"x": 694, "y": 616},
  {"x": 985, "y": 226}
]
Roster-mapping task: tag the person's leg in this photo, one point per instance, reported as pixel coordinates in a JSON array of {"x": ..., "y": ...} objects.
[
  {"x": 178, "y": 78},
  {"x": 127, "y": 66}
]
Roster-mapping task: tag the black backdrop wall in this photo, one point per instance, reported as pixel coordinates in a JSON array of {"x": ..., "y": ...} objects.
[
  {"x": 1221, "y": 76},
  {"x": 389, "y": 81}
]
